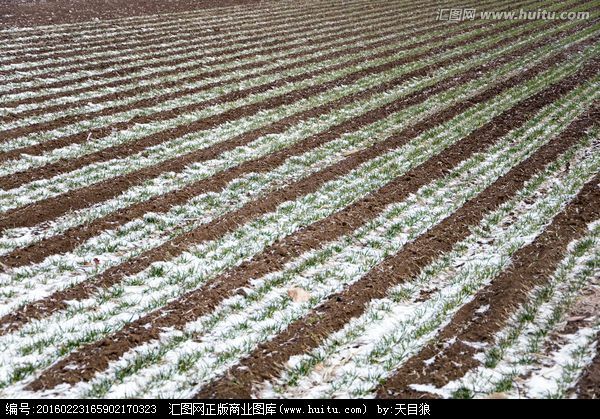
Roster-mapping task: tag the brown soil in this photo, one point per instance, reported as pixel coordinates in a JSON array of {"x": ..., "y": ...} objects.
[
  {"x": 75, "y": 236},
  {"x": 52, "y": 12},
  {"x": 588, "y": 386},
  {"x": 531, "y": 266},
  {"x": 94, "y": 357},
  {"x": 267, "y": 360}
]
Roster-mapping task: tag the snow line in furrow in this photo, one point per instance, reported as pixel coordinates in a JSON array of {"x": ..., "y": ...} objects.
[
  {"x": 114, "y": 247},
  {"x": 217, "y": 49},
  {"x": 110, "y": 77},
  {"x": 512, "y": 364},
  {"x": 163, "y": 21},
  {"x": 352, "y": 362},
  {"x": 146, "y": 291},
  {"x": 62, "y": 83},
  {"x": 221, "y": 332},
  {"x": 109, "y": 249},
  {"x": 212, "y": 53},
  {"x": 193, "y": 80},
  {"x": 46, "y": 188},
  {"x": 204, "y": 31}
]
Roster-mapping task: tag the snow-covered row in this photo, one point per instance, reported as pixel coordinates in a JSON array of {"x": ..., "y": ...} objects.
[
  {"x": 36, "y": 343},
  {"x": 208, "y": 346},
  {"x": 42, "y": 189},
  {"x": 516, "y": 364},
  {"x": 114, "y": 247},
  {"x": 128, "y": 42},
  {"x": 286, "y": 35},
  {"x": 108, "y": 29},
  {"x": 353, "y": 361}
]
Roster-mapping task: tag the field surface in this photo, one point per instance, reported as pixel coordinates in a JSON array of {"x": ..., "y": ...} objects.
[{"x": 299, "y": 199}]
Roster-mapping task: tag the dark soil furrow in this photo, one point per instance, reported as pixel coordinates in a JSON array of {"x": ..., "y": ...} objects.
[
  {"x": 71, "y": 238},
  {"x": 530, "y": 267},
  {"x": 93, "y": 358},
  {"x": 267, "y": 360},
  {"x": 588, "y": 385}
]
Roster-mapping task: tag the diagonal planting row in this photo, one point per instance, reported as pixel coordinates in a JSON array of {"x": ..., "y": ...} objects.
[
  {"x": 408, "y": 209},
  {"x": 419, "y": 153},
  {"x": 94, "y": 249},
  {"x": 255, "y": 60},
  {"x": 16, "y": 215}
]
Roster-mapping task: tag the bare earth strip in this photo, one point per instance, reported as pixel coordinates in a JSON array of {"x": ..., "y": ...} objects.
[
  {"x": 530, "y": 267},
  {"x": 229, "y": 221},
  {"x": 243, "y": 199},
  {"x": 267, "y": 360},
  {"x": 455, "y": 154}
]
